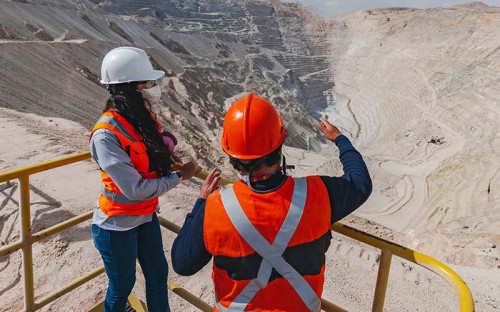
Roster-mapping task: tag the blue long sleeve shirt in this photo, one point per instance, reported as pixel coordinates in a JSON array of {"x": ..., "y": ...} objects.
[
  {"x": 346, "y": 194},
  {"x": 108, "y": 153}
]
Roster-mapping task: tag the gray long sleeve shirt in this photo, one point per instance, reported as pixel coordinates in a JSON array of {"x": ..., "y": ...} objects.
[{"x": 108, "y": 153}]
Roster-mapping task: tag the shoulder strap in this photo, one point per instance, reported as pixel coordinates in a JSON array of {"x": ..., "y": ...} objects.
[
  {"x": 123, "y": 139},
  {"x": 130, "y": 129}
]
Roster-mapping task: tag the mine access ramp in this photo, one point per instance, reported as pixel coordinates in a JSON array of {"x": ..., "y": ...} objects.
[{"x": 27, "y": 239}]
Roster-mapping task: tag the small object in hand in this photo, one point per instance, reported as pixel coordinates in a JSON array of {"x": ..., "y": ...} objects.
[{"x": 170, "y": 140}]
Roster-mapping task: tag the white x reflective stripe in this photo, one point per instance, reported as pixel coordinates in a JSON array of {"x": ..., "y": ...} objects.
[{"x": 271, "y": 254}]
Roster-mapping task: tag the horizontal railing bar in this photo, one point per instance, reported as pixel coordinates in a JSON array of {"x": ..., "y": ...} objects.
[
  {"x": 8, "y": 249},
  {"x": 202, "y": 175},
  {"x": 330, "y": 307},
  {"x": 14, "y": 174},
  {"x": 369, "y": 239},
  {"x": 11, "y": 175},
  {"x": 169, "y": 224},
  {"x": 61, "y": 226},
  {"x": 189, "y": 297},
  {"x": 76, "y": 283},
  {"x": 222, "y": 182},
  {"x": 47, "y": 232}
]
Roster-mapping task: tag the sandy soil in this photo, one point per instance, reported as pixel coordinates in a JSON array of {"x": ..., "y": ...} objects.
[{"x": 63, "y": 193}]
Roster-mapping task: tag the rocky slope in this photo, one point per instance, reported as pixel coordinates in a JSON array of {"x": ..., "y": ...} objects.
[{"x": 217, "y": 51}]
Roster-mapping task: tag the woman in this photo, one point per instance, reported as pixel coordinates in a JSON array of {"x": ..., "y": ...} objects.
[{"x": 136, "y": 167}]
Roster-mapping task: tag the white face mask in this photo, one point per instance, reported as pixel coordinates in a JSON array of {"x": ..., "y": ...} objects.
[{"x": 152, "y": 94}]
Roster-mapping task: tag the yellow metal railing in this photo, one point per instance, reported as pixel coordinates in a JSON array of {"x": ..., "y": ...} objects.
[
  {"x": 28, "y": 239},
  {"x": 388, "y": 249}
]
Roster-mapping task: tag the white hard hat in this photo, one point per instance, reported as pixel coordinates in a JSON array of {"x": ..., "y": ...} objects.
[{"x": 126, "y": 64}]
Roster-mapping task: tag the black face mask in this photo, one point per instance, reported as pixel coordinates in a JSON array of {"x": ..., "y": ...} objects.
[{"x": 252, "y": 185}]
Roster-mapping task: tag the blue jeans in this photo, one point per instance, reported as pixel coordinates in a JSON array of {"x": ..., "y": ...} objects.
[{"x": 119, "y": 251}]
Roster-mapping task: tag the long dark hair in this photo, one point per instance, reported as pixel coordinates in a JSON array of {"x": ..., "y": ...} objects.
[{"x": 129, "y": 103}]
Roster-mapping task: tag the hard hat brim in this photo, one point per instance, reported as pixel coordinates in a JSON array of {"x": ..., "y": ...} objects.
[{"x": 154, "y": 75}]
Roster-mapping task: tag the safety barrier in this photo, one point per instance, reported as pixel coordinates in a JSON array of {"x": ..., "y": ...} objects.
[{"x": 28, "y": 239}]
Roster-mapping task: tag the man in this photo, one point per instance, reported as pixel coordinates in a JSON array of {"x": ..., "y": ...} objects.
[{"x": 268, "y": 233}]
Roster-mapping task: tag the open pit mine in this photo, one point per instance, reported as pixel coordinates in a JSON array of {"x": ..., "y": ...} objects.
[{"x": 416, "y": 91}]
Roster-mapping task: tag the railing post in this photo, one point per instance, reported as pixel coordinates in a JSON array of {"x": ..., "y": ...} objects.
[
  {"x": 382, "y": 278},
  {"x": 25, "y": 213}
]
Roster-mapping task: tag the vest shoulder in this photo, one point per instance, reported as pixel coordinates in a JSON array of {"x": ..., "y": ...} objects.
[
  {"x": 214, "y": 195},
  {"x": 314, "y": 179},
  {"x": 213, "y": 205},
  {"x": 103, "y": 136}
]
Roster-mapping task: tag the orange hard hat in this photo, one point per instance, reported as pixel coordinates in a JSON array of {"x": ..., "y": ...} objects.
[{"x": 252, "y": 128}]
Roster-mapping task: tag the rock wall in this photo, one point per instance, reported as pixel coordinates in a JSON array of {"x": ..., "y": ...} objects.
[
  {"x": 417, "y": 90},
  {"x": 209, "y": 47}
]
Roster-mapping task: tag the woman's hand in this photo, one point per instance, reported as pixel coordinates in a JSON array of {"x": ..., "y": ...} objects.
[
  {"x": 331, "y": 132},
  {"x": 189, "y": 169},
  {"x": 210, "y": 183}
]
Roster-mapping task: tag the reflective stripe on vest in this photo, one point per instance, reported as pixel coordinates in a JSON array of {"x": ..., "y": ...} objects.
[
  {"x": 110, "y": 120},
  {"x": 118, "y": 198},
  {"x": 271, "y": 254}
]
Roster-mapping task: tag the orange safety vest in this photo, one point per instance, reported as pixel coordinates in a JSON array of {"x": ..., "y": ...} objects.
[
  {"x": 269, "y": 248},
  {"x": 112, "y": 201}
]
